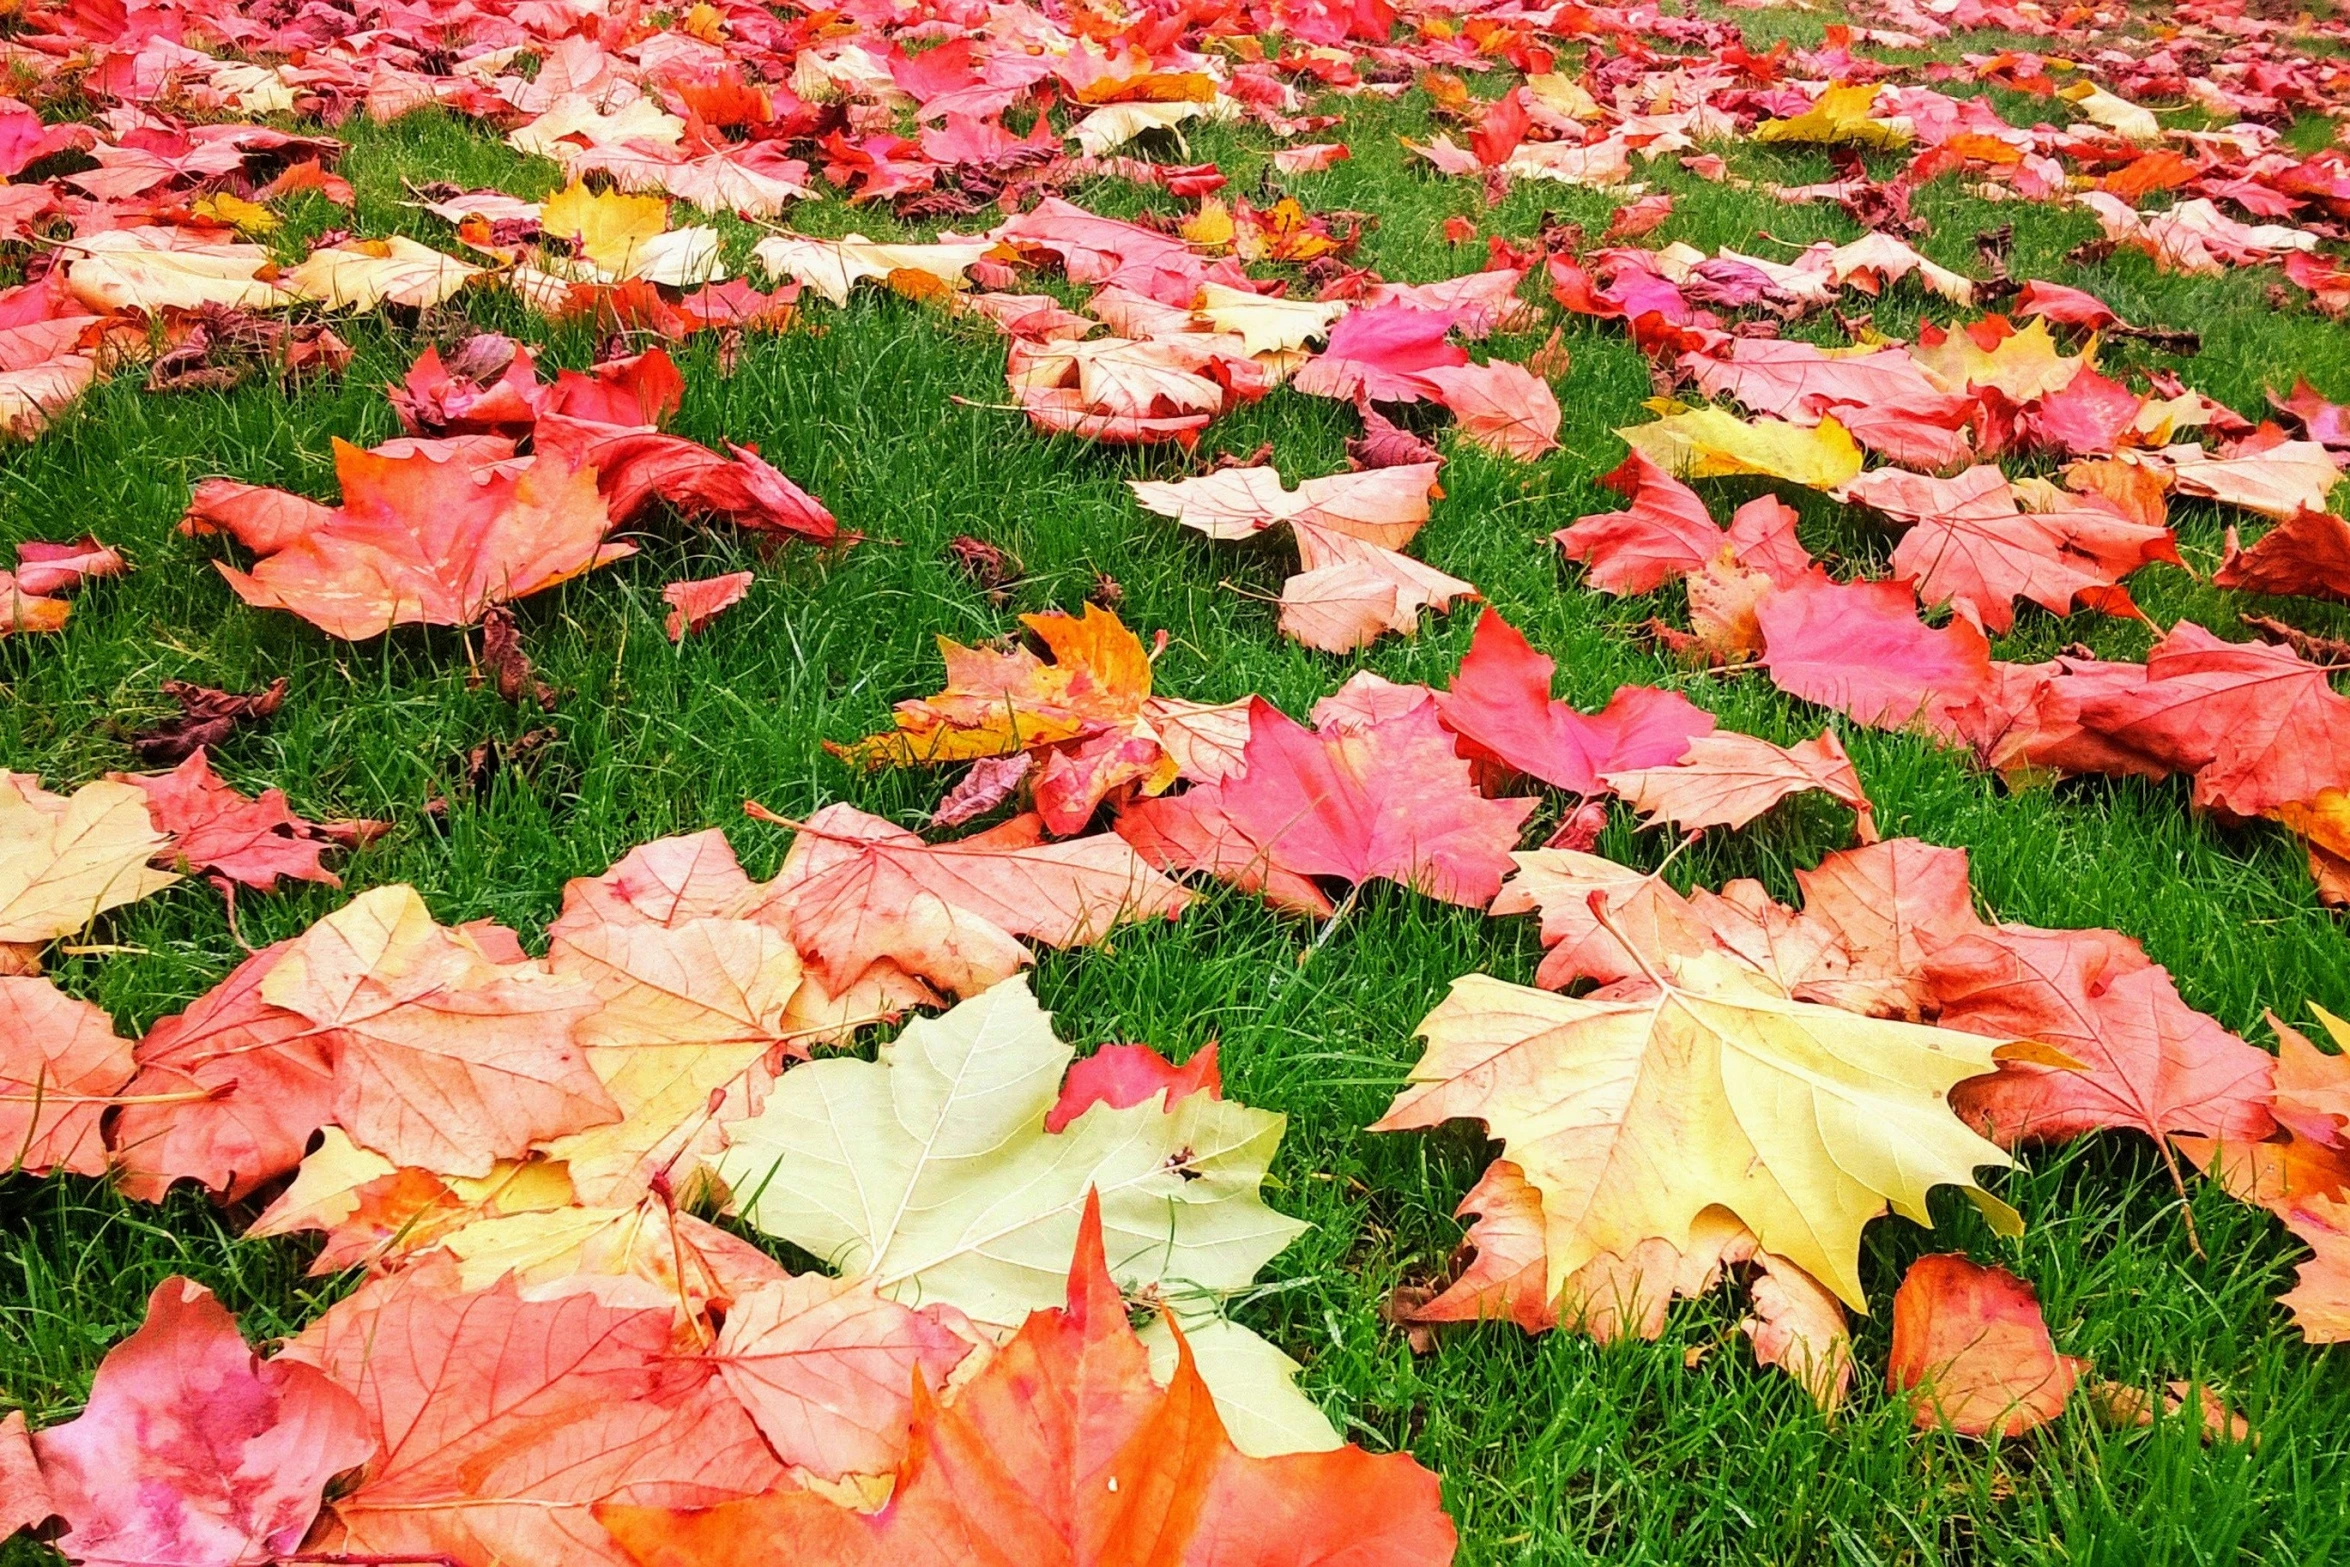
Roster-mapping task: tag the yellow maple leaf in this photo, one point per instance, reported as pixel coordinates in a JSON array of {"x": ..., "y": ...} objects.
[
  {"x": 235, "y": 211},
  {"x": 1632, "y": 1117},
  {"x": 996, "y": 704},
  {"x": 1712, "y": 443},
  {"x": 1839, "y": 116},
  {"x": 2022, "y": 364},
  {"x": 610, "y": 229}
]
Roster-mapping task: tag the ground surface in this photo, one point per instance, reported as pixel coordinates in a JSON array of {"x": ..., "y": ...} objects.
[{"x": 1553, "y": 1450}]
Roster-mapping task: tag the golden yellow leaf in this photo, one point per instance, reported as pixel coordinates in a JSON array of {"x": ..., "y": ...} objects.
[
  {"x": 996, "y": 704},
  {"x": 2024, "y": 365},
  {"x": 610, "y": 229},
  {"x": 235, "y": 211},
  {"x": 1839, "y": 116},
  {"x": 1712, "y": 443},
  {"x": 1631, "y": 1117}
]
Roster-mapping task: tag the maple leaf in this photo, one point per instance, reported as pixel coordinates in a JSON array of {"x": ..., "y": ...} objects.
[
  {"x": 1667, "y": 533},
  {"x": 930, "y": 1172},
  {"x": 214, "y": 828},
  {"x": 686, "y": 1013},
  {"x": 1268, "y": 325},
  {"x": 266, "y": 1082},
  {"x": 1501, "y": 708},
  {"x": 1384, "y": 506},
  {"x": 1382, "y": 354},
  {"x": 363, "y": 274},
  {"x": 1727, "y": 780},
  {"x": 1970, "y": 544},
  {"x": 158, "y": 269},
  {"x": 1500, "y": 406},
  {"x": 64, "y": 860},
  {"x": 637, "y": 465},
  {"x": 422, "y": 539},
  {"x": 501, "y": 1421},
  {"x": 1122, "y": 1076},
  {"x": 375, "y": 1212},
  {"x": 2146, "y": 1059},
  {"x": 1839, "y": 116},
  {"x": 1972, "y": 1351},
  {"x": 1711, "y": 443},
  {"x": 825, "y": 1367},
  {"x": 2308, "y": 554},
  {"x": 443, "y": 1058},
  {"x": 60, "y": 1065},
  {"x": 1064, "y": 1449},
  {"x": 2259, "y": 726},
  {"x": 694, "y": 603},
  {"x": 859, "y": 892},
  {"x": 996, "y": 704},
  {"x": 1388, "y": 799},
  {"x": 2023, "y": 365},
  {"x": 1860, "y": 648},
  {"x": 1797, "y": 1325},
  {"x": 1803, "y": 1121},
  {"x": 1348, "y": 592},
  {"x": 2279, "y": 481},
  {"x": 192, "y": 1449},
  {"x": 1646, "y": 919},
  {"x": 834, "y": 266}
]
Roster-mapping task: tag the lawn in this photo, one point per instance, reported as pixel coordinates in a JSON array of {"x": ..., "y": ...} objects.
[{"x": 1552, "y": 1449}]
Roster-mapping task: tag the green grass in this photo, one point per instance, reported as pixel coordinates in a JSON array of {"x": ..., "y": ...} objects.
[{"x": 1552, "y": 1449}]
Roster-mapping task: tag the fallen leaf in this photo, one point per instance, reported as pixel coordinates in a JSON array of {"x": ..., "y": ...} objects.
[
  {"x": 443, "y": 1058},
  {"x": 1727, "y": 780},
  {"x": 60, "y": 1066},
  {"x": 1122, "y": 1076},
  {"x": 1804, "y": 1121},
  {"x": 65, "y": 860},
  {"x": 1384, "y": 506},
  {"x": 824, "y": 1367},
  {"x": 251, "y": 842},
  {"x": 1860, "y": 648},
  {"x": 2308, "y": 554},
  {"x": 859, "y": 892},
  {"x": 1388, "y": 800},
  {"x": 929, "y": 1172},
  {"x": 192, "y": 1449},
  {"x": 1709, "y": 443},
  {"x": 1972, "y": 1351},
  {"x": 502, "y": 1421},
  {"x": 1113, "y": 1459},
  {"x": 267, "y": 1083},
  {"x": 694, "y": 604},
  {"x": 207, "y": 718},
  {"x": 427, "y": 540},
  {"x": 1500, "y": 706},
  {"x": 1500, "y": 406}
]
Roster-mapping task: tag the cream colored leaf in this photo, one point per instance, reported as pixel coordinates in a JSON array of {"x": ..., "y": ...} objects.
[
  {"x": 1254, "y": 1385},
  {"x": 361, "y": 274},
  {"x": 929, "y": 1170},
  {"x": 64, "y": 861},
  {"x": 834, "y": 266},
  {"x": 1267, "y": 325}
]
